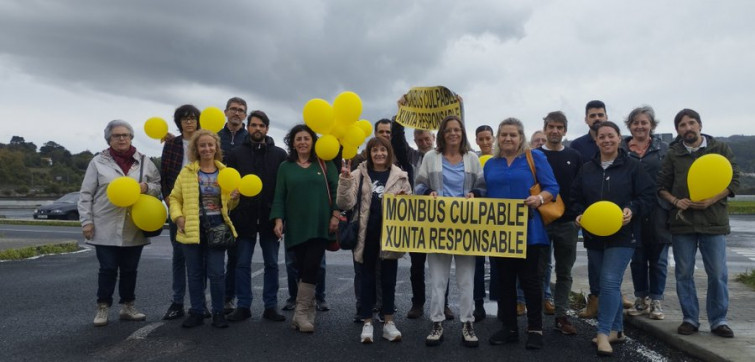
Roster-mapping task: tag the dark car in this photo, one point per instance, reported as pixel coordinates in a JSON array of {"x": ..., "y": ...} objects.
[{"x": 65, "y": 208}]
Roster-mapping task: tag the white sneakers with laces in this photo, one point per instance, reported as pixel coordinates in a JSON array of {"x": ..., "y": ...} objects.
[
  {"x": 656, "y": 311},
  {"x": 367, "y": 332},
  {"x": 103, "y": 310},
  {"x": 390, "y": 332}
]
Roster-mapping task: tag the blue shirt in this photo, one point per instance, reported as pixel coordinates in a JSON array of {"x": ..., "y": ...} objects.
[
  {"x": 453, "y": 179},
  {"x": 514, "y": 182}
]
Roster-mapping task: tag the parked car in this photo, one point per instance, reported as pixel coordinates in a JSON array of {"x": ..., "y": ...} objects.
[{"x": 64, "y": 208}]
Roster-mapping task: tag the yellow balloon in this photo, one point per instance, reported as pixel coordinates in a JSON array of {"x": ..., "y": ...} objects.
[
  {"x": 347, "y": 107},
  {"x": 338, "y": 130},
  {"x": 123, "y": 191},
  {"x": 485, "y": 158},
  {"x": 366, "y": 126},
  {"x": 349, "y": 152},
  {"x": 318, "y": 115},
  {"x": 327, "y": 147},
  {"x": 708, "y": 176},
  {"x": 148, "y": 213},
  {"x": 602, "y": 218},
  {"x": 354, "y": 136},
  {"x": 212, "y": 119},
  {"x": 229, "y": 179},
  {"x": 156, "y": 128},
  {"x": 250, "y": 185}
]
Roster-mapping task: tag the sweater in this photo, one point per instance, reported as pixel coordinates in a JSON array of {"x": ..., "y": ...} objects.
[
  {"x": 430, "y": 174},
  {"x": 566, "y": 165}
]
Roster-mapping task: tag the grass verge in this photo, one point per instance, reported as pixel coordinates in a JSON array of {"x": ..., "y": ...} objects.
[
  {"x": 40, "y": 222},
  {"x": 748, "y": 278},
  {"x": 741, "y": 207},
  {"x": 28, "y": 252}
]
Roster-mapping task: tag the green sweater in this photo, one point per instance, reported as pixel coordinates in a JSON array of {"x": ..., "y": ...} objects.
[{"x": 301, "y": 200}]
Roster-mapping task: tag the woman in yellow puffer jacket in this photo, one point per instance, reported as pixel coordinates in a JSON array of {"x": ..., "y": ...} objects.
[{"x": 196, "y": 203}]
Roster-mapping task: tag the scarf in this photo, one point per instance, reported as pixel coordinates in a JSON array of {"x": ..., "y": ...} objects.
[{"x": 124, "y": 159}]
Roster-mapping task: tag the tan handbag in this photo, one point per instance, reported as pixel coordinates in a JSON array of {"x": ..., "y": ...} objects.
[{"x": 549, "y": 211}]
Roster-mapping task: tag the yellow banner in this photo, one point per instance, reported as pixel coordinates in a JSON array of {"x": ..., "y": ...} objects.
[
  {"x": 455, "y": 225},
  {"x": 426, "y": 107}
]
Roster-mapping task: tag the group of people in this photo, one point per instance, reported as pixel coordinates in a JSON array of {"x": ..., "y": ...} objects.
[{"x": 303, "y": 196}]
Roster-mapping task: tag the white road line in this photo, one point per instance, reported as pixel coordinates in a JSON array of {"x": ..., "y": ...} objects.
[{"x": 143, "y": 332}]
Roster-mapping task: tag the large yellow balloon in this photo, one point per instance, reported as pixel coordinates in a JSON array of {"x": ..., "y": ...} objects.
[
  {"x": 229, "y": 179},
  {"x": 485, "y": 158},
  {"x": 602, "y": 218},
  {"x": 123, "y": 191},
  {"x": 148, "y": 213},
  {"x": 327, "y": 147},
  {"x": 354, "y": 136},
  {"x": 250, "y": 185},
  {"x": 338, "y": 130},
  {"x": 156, "y": 128},
  {"x": 318, "y": 115},
  {"x": 366, "y": 127},
  {"x": 349, "y": 152},
  {"x": 708, "y": 176},
  {"x": 212, "y": 119},
  {"x": 347, "y": 107}
]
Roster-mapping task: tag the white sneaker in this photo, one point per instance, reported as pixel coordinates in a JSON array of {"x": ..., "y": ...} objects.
[
  {"x": 129, "y": 313},
  {"x": 390, "y": 332},
  {"x": 436, "y": 335},
  {"x": 103, "y": 310},
  {"x": 367, "y": 333},
  {"x": 641, "y": 306},
  {"x": 468, "y": 337},
  {"x": 656, "y": 311}
]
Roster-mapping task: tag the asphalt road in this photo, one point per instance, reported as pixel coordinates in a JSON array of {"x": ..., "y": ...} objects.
[{"x": 49, "y": 303}]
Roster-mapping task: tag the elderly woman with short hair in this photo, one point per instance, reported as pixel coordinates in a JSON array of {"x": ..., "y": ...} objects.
[{"x": 118, "y": 242}]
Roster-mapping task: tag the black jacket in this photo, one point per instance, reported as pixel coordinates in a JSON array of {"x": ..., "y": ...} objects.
[
  {"x": 262, "y": 159},
  {"x": 625, "y": 183}
]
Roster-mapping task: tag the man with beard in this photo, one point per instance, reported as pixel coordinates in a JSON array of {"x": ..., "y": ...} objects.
[
  {"x": 701, "y": 224},
  {"x": 257, "y": 155},
  {"x": 595, "y": 112}
]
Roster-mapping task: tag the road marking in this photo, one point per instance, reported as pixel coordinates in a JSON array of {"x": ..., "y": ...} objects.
[
  {"x": 143, "y": 332},
  {"x": 746, "y": 252}
]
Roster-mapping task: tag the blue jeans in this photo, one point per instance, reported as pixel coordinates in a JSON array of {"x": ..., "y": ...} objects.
[
  {"x": 205, "y": 263},
  {"x": 179, "y": 266},
  {"x": 114, "y": 259},
  {"x": 649, "y": 264},
  {"x": 293, "y": 278},
  {"x": 611, "y": 263},
  {"x": 244, "y": 250},
  {"x": 713, "y": 250}
]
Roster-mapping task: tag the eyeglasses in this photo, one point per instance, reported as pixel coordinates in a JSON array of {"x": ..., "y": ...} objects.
[
  {"x": 190, "y": 119},
  {"x": 122, "y": 136},
  {"x": 237, "y": 110}
]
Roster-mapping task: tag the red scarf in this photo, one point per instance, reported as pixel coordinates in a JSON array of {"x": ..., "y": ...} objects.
[{"x": 124, "y": 159}]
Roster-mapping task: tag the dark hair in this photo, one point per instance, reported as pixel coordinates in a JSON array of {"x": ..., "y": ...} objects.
[
  {"x": 610, "y": 125},
  {"x": 185, "y": 111},
  {"x": 293, "y": 156},
  {"x": 555, "y": 117},
  {"x": 595, "y": 104},
  {"x": 261, "y": 115},
  {"x": 374, "y": 142},
  {"x": 689, "y": 113},
  {"x": 441, "y": 141},
  {"x": 382, "y": 121},
  {"x": 235, "y": 100},
  {"x": 648, "y": 110},
  {"x": 484, "y": 128}
]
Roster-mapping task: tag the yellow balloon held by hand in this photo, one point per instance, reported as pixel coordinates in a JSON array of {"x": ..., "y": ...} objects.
[
  {"x": 148, "y": 213},
  {"x": 484, "y": 158},
  {"x": 229, "y": 179},
  {"x": 708, "y": 176},
  {"x": 250, "y": 185},
  {"x": 354, "y": 136},
  {"x": 347, "y": 107},
  {"x": 327, "y": 147},
  {"x": 123, "y": 191},
  {"x": 602, "y": 218},
  {"x": 366, "y": 126},
  {"x": 318, "y": 115},
  {"x": 212, "y": 119},
  {"x": 156, "y": 128},
  {"x": 349, "y": 152}
]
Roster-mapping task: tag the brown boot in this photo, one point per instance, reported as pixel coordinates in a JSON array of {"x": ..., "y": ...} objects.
[
  {"x": 604, "y": 347},
  {"x": 591, "y": 310},
  {"x": 304, "y": 302},
  {"x": 312, "y": 308}
]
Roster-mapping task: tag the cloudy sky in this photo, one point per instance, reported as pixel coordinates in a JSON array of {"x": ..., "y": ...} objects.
[{"x": 67, "y": 67}]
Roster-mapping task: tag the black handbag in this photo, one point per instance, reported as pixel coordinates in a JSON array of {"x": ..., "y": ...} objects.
[
  {"x": 218, "y": 236},
  {"x": 154, "y": 233},
  {"x": 348, "y": 227}
]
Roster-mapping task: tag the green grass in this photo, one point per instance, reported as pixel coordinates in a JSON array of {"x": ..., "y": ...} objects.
[
  {"x": 741, "y": 207},
  {"x": 28, "y": 252},
  {"x": 748, "y": 278},
  {"x": 41, "y": 222}
]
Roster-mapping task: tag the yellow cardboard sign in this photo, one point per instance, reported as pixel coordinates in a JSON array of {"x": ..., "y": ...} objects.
[
  {"x": 426, "y": 107},
  {"x": 455, "y": 225}
]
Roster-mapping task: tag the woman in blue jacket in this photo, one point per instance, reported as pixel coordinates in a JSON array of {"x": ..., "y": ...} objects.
[
  {"x": 611, "y": 176},
  {"x": 508, "y": 176}
]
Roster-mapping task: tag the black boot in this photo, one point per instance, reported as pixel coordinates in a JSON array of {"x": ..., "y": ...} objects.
[{"x": 218, "y": 320}]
